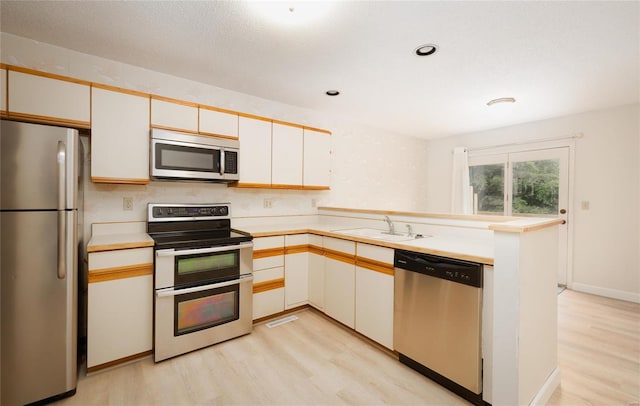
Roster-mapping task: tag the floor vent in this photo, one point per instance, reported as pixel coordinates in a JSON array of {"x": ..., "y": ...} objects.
[{"x": 281, "y": 321}]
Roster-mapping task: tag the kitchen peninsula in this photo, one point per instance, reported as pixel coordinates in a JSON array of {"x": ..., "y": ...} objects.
[{"x": 520, "y": 268}]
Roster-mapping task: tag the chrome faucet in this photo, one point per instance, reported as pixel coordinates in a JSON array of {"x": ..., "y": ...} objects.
[
  {"x": 391, "y": 230},
  {"x": 409, "y": 230}
]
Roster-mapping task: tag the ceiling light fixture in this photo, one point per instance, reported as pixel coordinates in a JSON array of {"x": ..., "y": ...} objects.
[
  {"x": 425, "y": 50},
  {"x": 332, "y": 92},
  {"x": 501, "y": 100}
]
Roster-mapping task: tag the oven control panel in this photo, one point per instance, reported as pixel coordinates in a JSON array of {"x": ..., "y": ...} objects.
[{"x": 165, "y": 212}]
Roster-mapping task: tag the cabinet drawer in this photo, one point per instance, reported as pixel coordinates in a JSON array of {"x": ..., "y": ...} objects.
[
  {"x": 376, "y": 253},
  {"x": 268, "y": 262},
  {"x": 111, "y": 265},
  {"x": 337, "y": 244},
  {"x": 268, "y": 275},
  {"x": 262, "y": 243},
  {"x": 296, "y": 239}
]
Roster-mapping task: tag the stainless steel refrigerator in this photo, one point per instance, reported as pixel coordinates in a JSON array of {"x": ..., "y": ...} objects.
[{"x": 40, "y": 198}]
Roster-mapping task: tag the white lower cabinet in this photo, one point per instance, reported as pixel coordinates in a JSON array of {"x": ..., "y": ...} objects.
[
  {"x": 268, "y": 276},
  {"x": 374, "y": 293},
  {"x": 120, "y": 306},
  {"x": 374, "y": 305},
  {"x": 339, "y": 280},
  {"x": 296, "y": 270},
  {"x": 316, "y": 272}
]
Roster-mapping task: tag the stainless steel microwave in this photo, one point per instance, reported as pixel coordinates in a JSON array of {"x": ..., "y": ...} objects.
[{"x": 181, "y": 156}]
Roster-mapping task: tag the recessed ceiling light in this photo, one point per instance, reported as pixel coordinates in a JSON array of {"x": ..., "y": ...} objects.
[
  {"x": 332, "y": 92},
  {"x": 428, "y": 49},
  {"x": 501, "y": 100}
]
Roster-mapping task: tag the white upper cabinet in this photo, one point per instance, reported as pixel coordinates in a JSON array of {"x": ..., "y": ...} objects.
[
  {"x": 49, "y": 99},
  {"x": 3, "y": 91},
  {"x": 119, "y": 136},
  {"x": 286, "y": 155},
  {"x": 174, "y": 115},
  {"x": 317, "y": 159},
  {"x": 218, "y": 123},
  {"x": 255, "y": 151}
]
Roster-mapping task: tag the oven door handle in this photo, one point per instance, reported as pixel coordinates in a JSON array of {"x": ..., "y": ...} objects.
[
  {"x": 176, "y": 292},
  {"x": 175, "y": 253}
]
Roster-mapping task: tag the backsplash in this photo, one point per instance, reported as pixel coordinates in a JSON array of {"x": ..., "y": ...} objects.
[{"x": 370, "y": 168}]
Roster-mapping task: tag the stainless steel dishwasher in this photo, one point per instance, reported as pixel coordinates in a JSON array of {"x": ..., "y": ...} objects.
[{"x": 437, "y": 320}]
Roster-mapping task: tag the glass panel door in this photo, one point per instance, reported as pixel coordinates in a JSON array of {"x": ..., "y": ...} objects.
[{"x": 529, "y": 183}]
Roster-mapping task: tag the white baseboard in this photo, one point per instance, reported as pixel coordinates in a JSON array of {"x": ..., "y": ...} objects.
[
  {"x": 547, "y": 389},
  {"x": 606, "y": 292}
]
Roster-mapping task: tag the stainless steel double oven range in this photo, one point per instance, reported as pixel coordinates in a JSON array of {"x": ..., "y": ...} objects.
[{"x": 203, "y": 277}]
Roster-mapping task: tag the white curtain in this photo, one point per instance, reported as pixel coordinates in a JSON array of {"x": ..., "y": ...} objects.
[{"x": 461, "y": 202}]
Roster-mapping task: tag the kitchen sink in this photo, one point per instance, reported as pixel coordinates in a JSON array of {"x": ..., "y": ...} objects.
[{"x": 375, "y": 234}]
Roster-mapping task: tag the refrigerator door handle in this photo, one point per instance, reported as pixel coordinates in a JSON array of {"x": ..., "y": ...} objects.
[{"x": 62, "y": 224}]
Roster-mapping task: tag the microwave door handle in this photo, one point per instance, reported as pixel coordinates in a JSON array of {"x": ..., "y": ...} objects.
[
  {"x": 222, "y": 168},
  {"x": 177, "y": 292}
]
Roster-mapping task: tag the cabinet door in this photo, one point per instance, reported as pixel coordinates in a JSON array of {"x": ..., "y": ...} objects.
[
  {"x": 317, "y": 160},
  {"x": 218, "y": 123},
  {"x": 255, "y": 155},
  {"x": 316, "y": 280},
  {"x": 119, "y": 137},
  {"x": 374, "y": 305},
  {"x": 296, "y": 265},
  {"x": 268, "y": 292},
  {"x": 49, "y": 100},
  {"x": 174, "y": 115},
  {"x": 3, "y": 92},
  {"x": 286, "y": 156},
  {"x": 120, "y": 306},
  {"x": 339, "y": 290}
]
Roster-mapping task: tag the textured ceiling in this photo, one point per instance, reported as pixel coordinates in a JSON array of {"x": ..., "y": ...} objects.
[{"x": 556, "y": 58}]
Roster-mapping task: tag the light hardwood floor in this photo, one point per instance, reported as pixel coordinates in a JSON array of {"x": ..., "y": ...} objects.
[{"x": 314, "y": 361}]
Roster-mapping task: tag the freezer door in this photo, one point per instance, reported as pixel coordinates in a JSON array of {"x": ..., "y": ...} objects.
[
  {"x": 39, "y": 310},
  {"x": 38, "y": 163}
]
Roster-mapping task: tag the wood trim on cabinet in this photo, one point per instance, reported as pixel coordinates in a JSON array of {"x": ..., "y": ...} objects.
[
  {"x": 314, "y": 249},
  {"x": 268, "y": 252},
  {"x": 119, "y": 361},
  {"x": 229, "y": 137},
  {"x": 120, "y": 90},
  {"x": 132, "y": 181},
  {"x": 175, "y": 101},
  {"x": 48, "y": 120},
  {"x": 274, "y": 121},
  {"x": 268, "y": 285},
  {"x": 318, "y": 130},
  {"x": 280, "y": 186},
  {"x": 3, "y": 66},
  {"x": 47, "y": 75},
  {"x": 340, "y": 256},
  {"x": 182, "y": 130},
  {"x": 121, "y": 272},
  {"x": 374, "y": 265},
  {"x": 253, "y": 116},
  {"x": 218, "y": 109},
  {"x": 309, "y": 187},
  {"x": 251, "y": 185},
  {"x": 296, "y": 249}
]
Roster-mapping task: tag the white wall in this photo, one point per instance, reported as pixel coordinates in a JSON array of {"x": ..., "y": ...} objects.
[
  {"x": 606, "y": 256},
  {"x": 368, "y": 166}
]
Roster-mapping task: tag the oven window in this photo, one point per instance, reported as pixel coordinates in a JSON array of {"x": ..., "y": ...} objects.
[
  {"x": 201, "y": 310},
  {"x": 178, "y": 157},
  {"x": 202, "y": 268}
]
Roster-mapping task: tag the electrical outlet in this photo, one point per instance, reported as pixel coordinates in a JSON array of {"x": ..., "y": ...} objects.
[
  {"x": 314, "y": 203},
  {"x": 267, "y": 203},
  {"x": 127, "y": 203}
]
